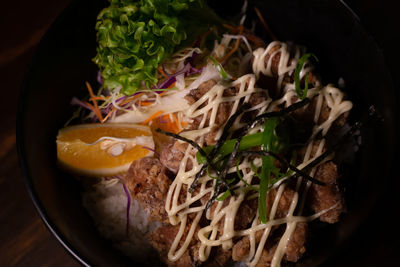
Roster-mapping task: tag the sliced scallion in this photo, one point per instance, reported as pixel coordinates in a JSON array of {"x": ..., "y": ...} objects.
[
  {"x": 300, "y": 92},
  {"x": 247, "y": 142},
  {"x": 219, "y": 67},
  {"x": 269, "y": 139},
  {"x": 225, "y": 195}
]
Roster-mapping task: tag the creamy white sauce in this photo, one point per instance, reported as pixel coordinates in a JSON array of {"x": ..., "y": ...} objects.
[
  {"x": 208, "y": 104},
  {"x": 115, "y": 146},
  {"x": 171, "y": 103}
]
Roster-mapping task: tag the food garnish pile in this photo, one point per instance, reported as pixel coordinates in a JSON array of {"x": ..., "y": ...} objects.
[{"x": 225, "y": 139}]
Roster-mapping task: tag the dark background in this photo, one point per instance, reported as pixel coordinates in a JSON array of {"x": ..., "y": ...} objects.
[{"x": 25, "y": 241}]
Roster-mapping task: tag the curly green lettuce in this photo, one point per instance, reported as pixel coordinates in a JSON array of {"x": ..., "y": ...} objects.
[{"x": 134, "y": 37}]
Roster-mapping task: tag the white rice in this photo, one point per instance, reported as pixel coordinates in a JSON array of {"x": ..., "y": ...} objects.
[{"x": 106, "y": 203}]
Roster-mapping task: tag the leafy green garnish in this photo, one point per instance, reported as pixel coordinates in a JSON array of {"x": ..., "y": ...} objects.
[
  {"x": 225, "y": 195},
  {"x": 209, "y": 174},
  {"x": 302, "y": 93},
  {"x": 135, "y": 36},
  {"x": 247, "y": 142},
  {"x": 219, "y": 67},
  {"x": 269, "y": 143},
  {"x": 241, "y": 177}
]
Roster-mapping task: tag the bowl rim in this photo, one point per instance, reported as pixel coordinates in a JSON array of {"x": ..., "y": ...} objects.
[{"x": 22, "y": 158}]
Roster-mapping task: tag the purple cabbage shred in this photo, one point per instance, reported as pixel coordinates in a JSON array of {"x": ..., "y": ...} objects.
[{"x": 128, "y": 207}]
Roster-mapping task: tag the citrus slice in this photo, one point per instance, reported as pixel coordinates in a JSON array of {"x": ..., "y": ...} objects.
[{"x": 102, "y": 149}]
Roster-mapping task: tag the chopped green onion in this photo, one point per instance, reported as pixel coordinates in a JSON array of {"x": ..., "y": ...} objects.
[
  {"x": 224, "y": 195},
  {"x": 219, "y": 67},
  {"x": 214, "y": 151},
  {"x": 254, "y": 169},
  {"x": 230, "y": 181},
  {"x": 241, "y": 176},
  {"x": 300, "y": 92},
  {"x": 247, "y": 142},
  {"x": 268, "y": 144},
  {"x": 209, "y": 174}
]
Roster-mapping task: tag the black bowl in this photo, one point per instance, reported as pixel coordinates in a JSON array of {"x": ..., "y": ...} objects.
[{"x": 63, "y": 63}]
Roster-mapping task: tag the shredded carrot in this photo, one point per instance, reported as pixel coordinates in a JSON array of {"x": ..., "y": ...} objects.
[
  {"x": 229, "y": 27},
  {"x": 127, "y": 100},
  {"x": 247, "y": 33},
  {"x": 146, "y": 103},
  {"x": 109, "y": 114},
  {"x": 131, "y": 98},
  {"x": 176, "y": 123},
  {"x": 252, "y": 38},
  {"x": 240, "y": 29},
  {"x": 233, "y": 50},
  {"x": 152, "y": 117},
  {"x": 169, "y": 123},
  {"x": 172, "y": 85},
  {"x": 95, "y": 109},
  {"x": 163, "y": 93},
  {"x": 265, "y": 25},
  {"x": 184, "y": 124},
  {"x": 90, "y": 89},
  {"x": 99, "y": 98},
  {"x": 164, "y": 118},
  {"x": 160, "y": 70},
  {"x": 203, "y": 36}
]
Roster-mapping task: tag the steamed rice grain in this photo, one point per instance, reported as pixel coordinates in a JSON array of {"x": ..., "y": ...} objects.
[{"x": 106, "y": 203}]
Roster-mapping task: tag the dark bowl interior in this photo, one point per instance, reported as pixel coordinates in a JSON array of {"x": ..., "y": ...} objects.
[{"x": 63, "y": 63}]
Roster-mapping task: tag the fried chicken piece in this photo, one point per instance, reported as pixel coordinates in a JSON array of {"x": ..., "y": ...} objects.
[
  {"x": 242, "y": 247},
  {"x": 307, "y": 114},
  {"x": 172, "y": 153},
  {"x": 272, "y": 60},
  {"x": 148, "y": 183},
  {"x": 163, "y": 237},
  {"x": 329, "y": 196},
  {"x": 295, "y": 247}
]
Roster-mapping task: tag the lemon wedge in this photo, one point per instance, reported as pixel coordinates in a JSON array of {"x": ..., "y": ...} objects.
[{"x": 102, "y": 149}]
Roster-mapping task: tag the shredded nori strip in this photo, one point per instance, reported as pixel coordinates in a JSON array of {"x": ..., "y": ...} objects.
[
  {"x": 220, "y": 181},
  {"x": 261, "y": 118},
  {"x": 285, "y": 162},
  {"x": 225, "y": 131},
  {"x": 372, "y": 113},
  {"x": 252, "y": 124},
  {"x": 217, "y": 146},
  {"x": 194, "y": 144},
  {"x": 184, "y": 139},
  {"x": 218, "y": 184}
]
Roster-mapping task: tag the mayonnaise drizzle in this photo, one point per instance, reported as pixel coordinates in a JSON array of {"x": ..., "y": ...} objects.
[{"x": 208, "y": 104}]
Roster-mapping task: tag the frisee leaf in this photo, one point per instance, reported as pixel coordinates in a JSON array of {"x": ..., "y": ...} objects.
[{"x": 135, "y": 36}]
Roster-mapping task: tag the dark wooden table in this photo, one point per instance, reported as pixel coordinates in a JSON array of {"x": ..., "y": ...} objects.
[{"x": 25, "y": 241}]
